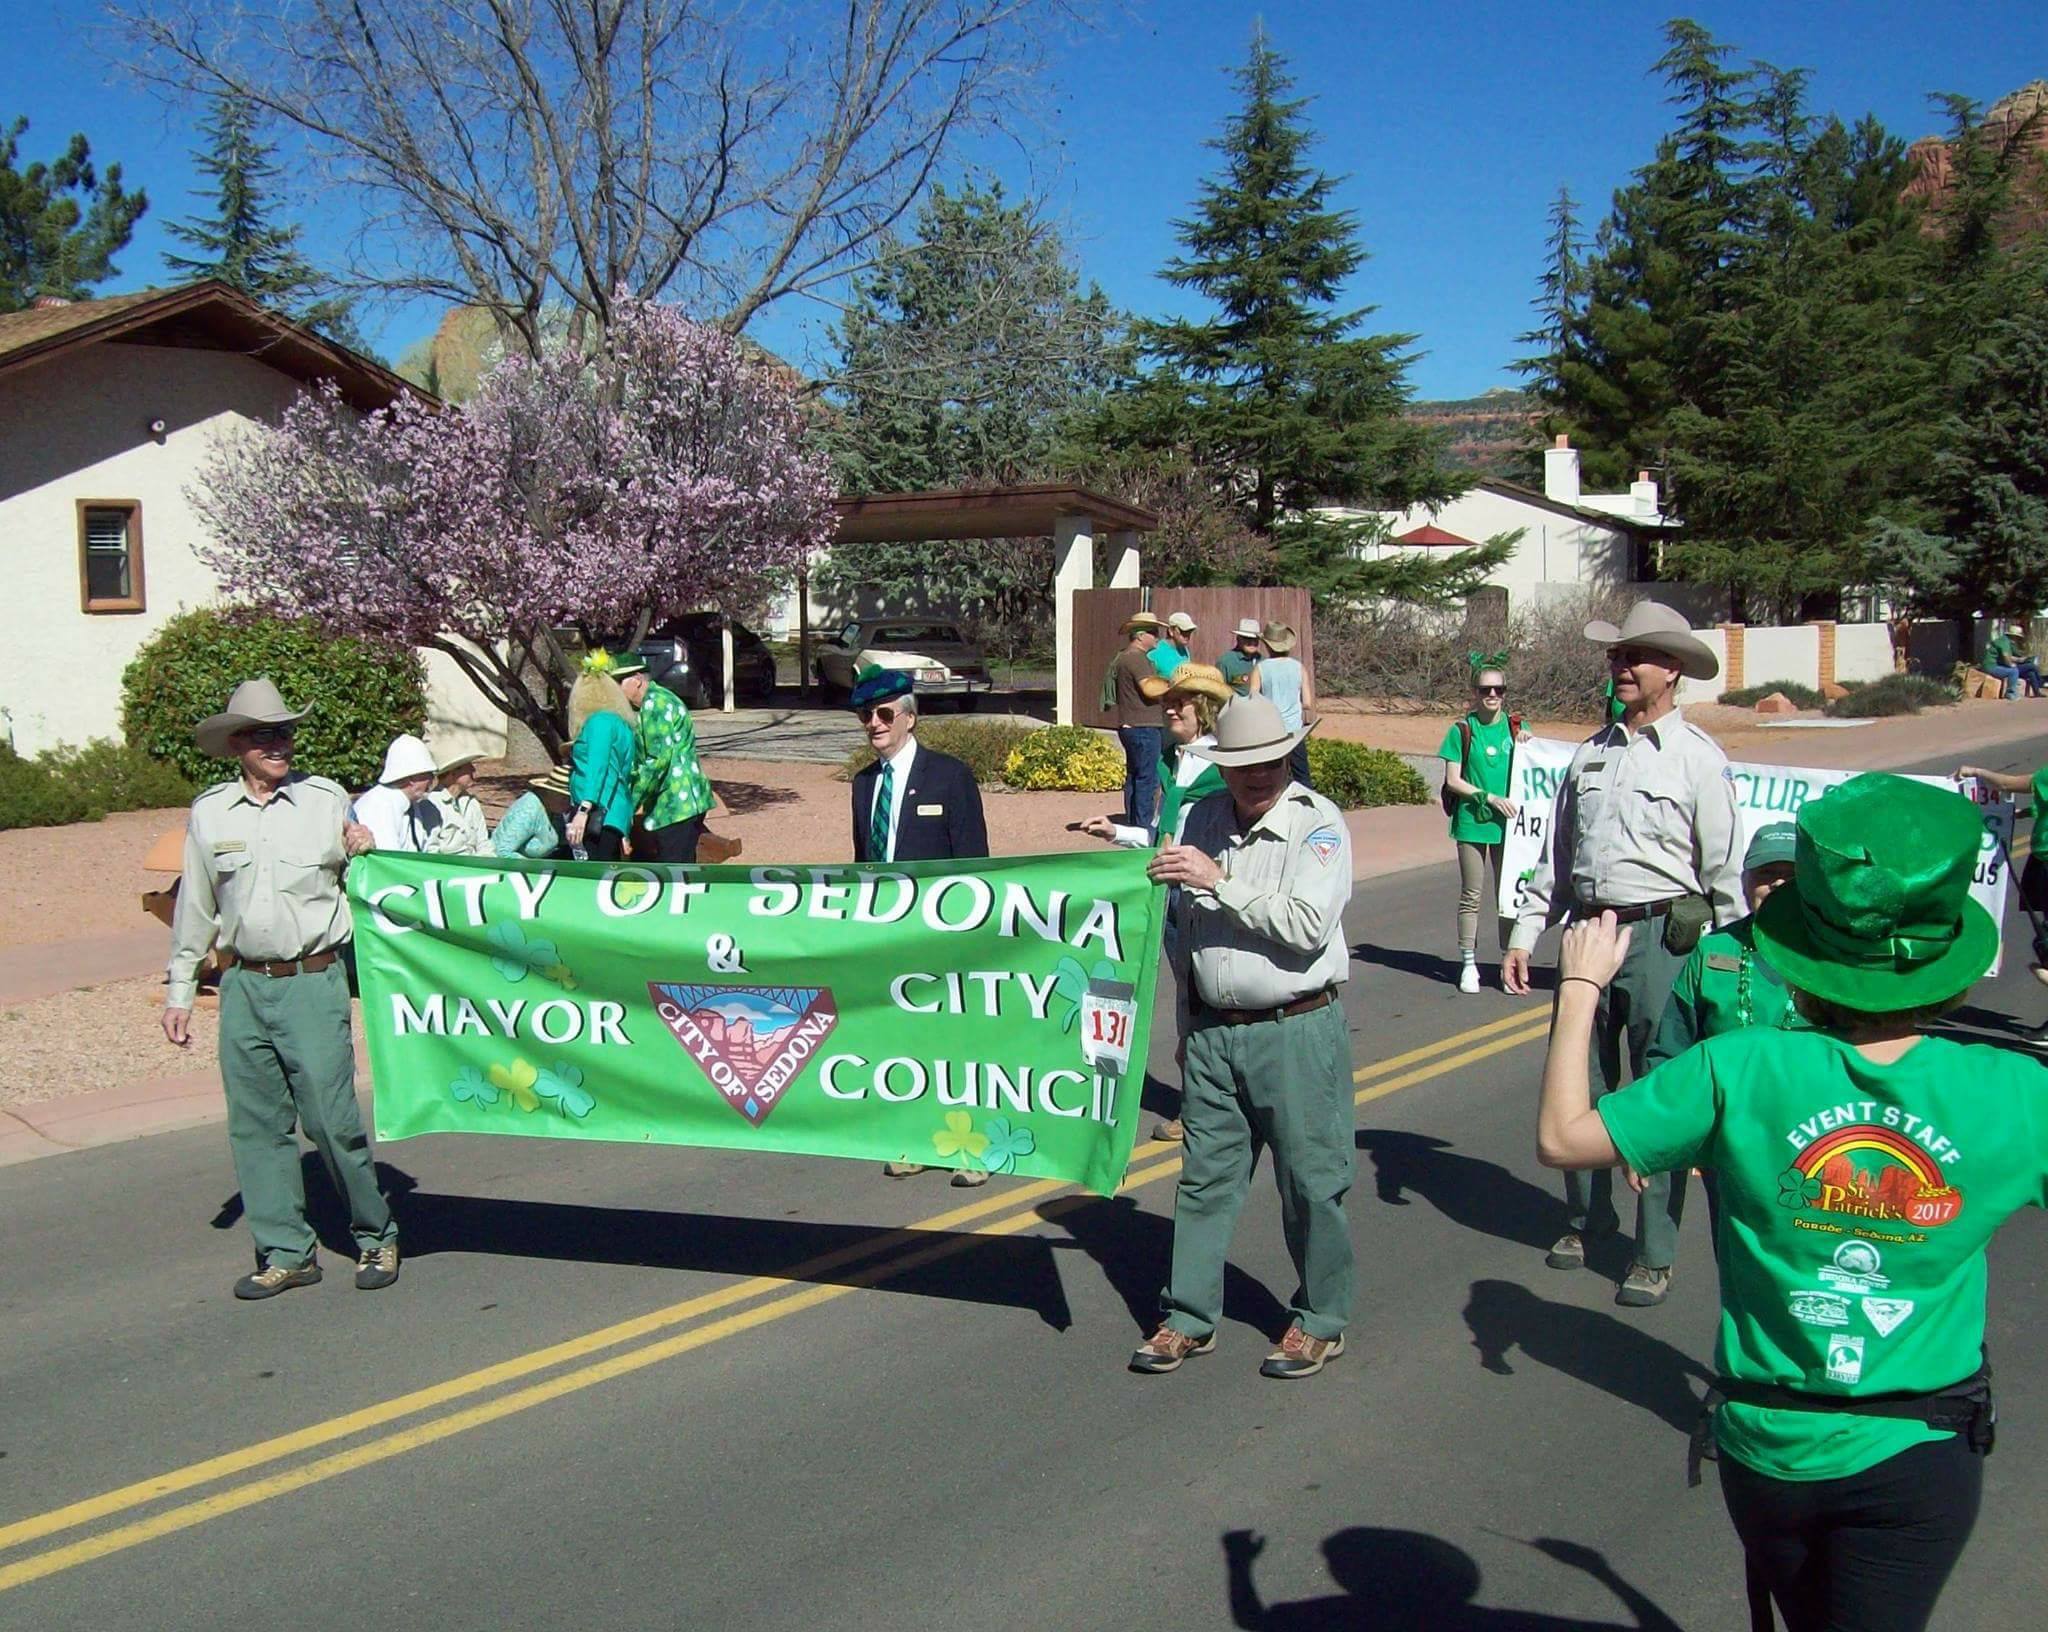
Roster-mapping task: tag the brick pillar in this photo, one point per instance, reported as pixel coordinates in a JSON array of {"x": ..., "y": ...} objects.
[
  {"x": 1826, "y": 628},
  {"x": 1731, "y": 670}
]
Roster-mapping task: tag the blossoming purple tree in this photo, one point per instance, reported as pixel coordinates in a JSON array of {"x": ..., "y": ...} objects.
[{"x": 667, "y": 472}]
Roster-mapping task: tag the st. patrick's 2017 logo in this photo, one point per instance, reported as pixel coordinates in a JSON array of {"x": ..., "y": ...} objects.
[
  {"x": 749, "y": 1041},
  {"x": 1867, "y": 1171}
]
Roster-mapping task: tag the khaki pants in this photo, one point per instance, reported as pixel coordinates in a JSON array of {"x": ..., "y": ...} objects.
[{"x": 1474, "y": 860}]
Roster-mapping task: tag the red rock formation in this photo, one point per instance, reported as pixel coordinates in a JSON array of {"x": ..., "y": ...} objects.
[{"x": 2005, "y": 120}]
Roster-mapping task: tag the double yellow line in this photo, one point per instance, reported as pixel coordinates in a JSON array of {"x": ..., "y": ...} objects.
[{"x": 886, "y": 1255}]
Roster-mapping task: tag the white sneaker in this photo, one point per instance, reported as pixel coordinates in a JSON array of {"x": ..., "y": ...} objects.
[{"x": 1468, "y": 978}]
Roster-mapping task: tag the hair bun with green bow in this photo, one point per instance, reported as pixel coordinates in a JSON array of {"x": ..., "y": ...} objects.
[{"x": 1482, "y": 661}]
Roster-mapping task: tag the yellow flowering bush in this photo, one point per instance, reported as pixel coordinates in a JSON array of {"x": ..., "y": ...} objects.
[{"x": 1067, "y": 757}]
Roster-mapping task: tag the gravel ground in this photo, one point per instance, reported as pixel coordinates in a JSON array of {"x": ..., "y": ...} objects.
[{"x": 104, "y": 1037}]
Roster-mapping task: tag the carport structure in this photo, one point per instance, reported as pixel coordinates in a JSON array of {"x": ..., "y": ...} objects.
[{"x": 1073, "y": 517}]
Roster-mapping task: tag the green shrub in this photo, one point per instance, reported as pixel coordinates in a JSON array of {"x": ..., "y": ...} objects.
[
  {"x": 982, "y": 745},
  {"x": 64, "y": 785},
  {"x": 1894, "y": 694},
  {"x": 361, "y": 694},
  {"x": 1068, "y": 757},
  {"x": 1354, "y": 777},
  {"x": 1750, "y": 696}
]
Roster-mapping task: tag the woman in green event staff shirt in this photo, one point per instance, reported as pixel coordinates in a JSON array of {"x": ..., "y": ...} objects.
[
  {"x": 1479, "y": 771},
  {"x": 1863, "y": 1169}
]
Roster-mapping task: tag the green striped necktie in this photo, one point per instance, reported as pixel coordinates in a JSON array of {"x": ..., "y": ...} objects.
[{"x": 878, "y": 826}]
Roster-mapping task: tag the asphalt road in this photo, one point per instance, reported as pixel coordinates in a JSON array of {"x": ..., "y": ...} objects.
[{"x": 651, "y": 1389}]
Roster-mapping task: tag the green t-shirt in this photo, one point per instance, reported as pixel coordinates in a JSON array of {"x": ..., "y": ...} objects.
[
  {"x": 2040, "y": 794},
  {"x": 1856, "y": 1203},
  {"x": 1999, "y": 649},
  {"x": 1722, "y": 987},
  {"x": 1487, "y": 768},
  {"x": 1237, "y": 669}
]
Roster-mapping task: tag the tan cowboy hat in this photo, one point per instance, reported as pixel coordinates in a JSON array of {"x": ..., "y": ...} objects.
[
  {"x": 447, "y": 769},
  {"x": 1204, "y": 679},
  {"x": 1278, "y": 637},
  {"x": 1143, "y": 623},
  {"x": 1181, "y": 622},
  {"x": 1249, "y": 731},
  {"x": 255, "y": 702},
  {"x": 1659, "y": 627}
]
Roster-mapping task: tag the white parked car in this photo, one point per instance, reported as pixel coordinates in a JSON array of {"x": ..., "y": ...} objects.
[{"x": 942, "y": 661}]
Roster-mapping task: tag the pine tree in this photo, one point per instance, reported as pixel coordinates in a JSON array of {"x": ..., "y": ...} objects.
[
  {"x": 61, "y": 224},
  {"x": 239, "y": 244},
  {"x": 1279, "y": 394},
  {"x": 1560, "y": 305}
]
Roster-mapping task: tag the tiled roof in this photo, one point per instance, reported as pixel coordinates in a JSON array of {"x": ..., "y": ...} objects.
[
  {"x": 20, "y": 329},
  {"x": 1426, "y": 534}
]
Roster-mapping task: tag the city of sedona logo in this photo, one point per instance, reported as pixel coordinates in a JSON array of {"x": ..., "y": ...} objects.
[{"x": 749, "y": 1041}]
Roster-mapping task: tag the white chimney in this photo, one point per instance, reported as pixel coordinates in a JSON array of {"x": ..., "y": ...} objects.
[
  {"x": 1561, "y": 471},
  {"x": 1642, "y": 493}
]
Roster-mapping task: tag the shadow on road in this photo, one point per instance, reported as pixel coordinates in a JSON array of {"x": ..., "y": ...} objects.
[
  {"x": 1601, "y": 1351},
  {"x": 1002, "y": 1272},
  {"x": 1474, "y": 1194},
  {"x": 744, "y": 798},
  {"x": 1406, "y": 1579},
  {"x": 1134, "y": 1250},
  {"x": 1444, "y": 971},
  {"x": 2000, "y": 1030}
]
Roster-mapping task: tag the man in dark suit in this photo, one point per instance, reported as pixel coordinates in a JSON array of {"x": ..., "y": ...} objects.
[{"x": 910, "y": 805}]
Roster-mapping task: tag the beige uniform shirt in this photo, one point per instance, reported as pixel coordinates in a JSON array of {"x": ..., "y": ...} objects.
[
  {"x": 1640, "y": 817},
  {"x": 1273, "y": 929},
  {"x": 261, "y": 880}
]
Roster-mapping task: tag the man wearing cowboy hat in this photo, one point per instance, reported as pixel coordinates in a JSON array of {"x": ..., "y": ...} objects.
[
  {"x": 1644, "y": 826},
  {"x": 1265, "y": 874},
  {"x": 264, "y": 854},
  {"x": 1172, "y": 650},
  {"x": 1137, "y": 717},
  {"x": 397, "y": 811},
  {"x": 1238, "y": 663}
]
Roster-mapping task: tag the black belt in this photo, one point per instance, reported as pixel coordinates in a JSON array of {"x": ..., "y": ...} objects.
[
  {"x": 1214, "y": 1016},
  {"x": 1967, "y": 1408},
  {"x": 1630, "y": 915},
  {"x": 286, "y": 966}
]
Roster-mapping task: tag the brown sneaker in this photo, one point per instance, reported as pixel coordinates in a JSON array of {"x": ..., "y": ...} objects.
[
  {"x": 1645, "y": 1287},
  {"x": 1166, "y": 1348},
  {"x": 377, "y": 1268},
  {"x": 1300, "y": 1355},
  {"x": 1171, "y": 1131},
  {"x": 901, "y": 1170},
  {"x": 966, "y": 1178},
  {"x": 272, "y": 1279},
  {"x": 1568, "y": 1251}
]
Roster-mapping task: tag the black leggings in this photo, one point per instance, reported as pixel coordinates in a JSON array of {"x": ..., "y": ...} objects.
[{"x": 1866, "y": 1553}]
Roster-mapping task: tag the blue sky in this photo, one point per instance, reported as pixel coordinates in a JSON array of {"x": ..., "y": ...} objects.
[{"x": 1455, "y": 122}]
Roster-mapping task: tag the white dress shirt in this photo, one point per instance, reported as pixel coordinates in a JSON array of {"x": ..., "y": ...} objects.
[{"x": 898, "y": 772}]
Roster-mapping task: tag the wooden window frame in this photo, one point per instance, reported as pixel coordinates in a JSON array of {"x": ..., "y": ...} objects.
[{"x": 136, "y": 599}]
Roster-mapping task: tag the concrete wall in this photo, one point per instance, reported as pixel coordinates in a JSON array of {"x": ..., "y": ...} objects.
[
  {"x": 1863, "y": 651},
  {"x": 77, "y": 427},
  {"x": 1555, "y": 550},
  {"x": 1787, "y": 653},
  {"x": 1706, "y": 691}
]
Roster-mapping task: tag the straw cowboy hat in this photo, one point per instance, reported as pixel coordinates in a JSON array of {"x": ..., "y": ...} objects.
[
  {"x": 1247, "y": 629},
  {"x": 1657, "y": 626},
  {"x": 1143, "y": 623},
  {"x": 556, "y": 781},
  {"x": 406, "y": 757},
  {"x": 1880, "y": 916},
  {"x": 1249, "y": 731},
  {"x": 1203, "y": 679},
  {"x": 255, "y": 702},
  {"x": 1279, "y": 638},
  {"x": 448, "y": 768}
]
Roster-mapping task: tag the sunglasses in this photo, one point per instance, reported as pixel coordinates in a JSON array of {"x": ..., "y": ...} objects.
[
  {"x": 882, "y": 712},
  {"x": 264, "y": 736},
  {"x": 1491, "y": 691}
]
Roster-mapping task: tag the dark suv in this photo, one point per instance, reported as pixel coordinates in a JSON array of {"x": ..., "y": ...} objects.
[{"x": 683, "y": 654}]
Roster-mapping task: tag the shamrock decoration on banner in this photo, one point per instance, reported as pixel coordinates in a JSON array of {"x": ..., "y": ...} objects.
[{"x": 1006, "y": 1142}]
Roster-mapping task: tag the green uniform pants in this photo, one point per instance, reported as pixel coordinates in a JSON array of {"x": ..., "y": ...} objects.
[
  {"x": 286, "y": 1057},
  {"x": 1625, "y": 1024},
  {"x": 1287, "y": 1084}
]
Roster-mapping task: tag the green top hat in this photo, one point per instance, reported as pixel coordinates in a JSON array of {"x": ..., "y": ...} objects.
[{"x": 1882, "y": 917}]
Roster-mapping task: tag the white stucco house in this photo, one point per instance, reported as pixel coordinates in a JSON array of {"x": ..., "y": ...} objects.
[
  {"x": 1573, "y": 542},
  {"x": 107, "y": 410}
]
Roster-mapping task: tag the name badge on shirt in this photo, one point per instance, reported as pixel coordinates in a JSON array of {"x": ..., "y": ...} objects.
[
  {"x": 1109, "y": 1013},
  {"x": 931, "y": 810},
  {"x": 224, "y": 847},
  {"x": 1719, "y": 960}
]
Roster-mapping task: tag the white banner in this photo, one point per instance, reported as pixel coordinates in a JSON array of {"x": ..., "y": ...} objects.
[{"x": 1764, "y": 793}]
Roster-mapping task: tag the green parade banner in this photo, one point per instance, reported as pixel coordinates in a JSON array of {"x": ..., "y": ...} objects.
[{"x": 989, "y": 1014}]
